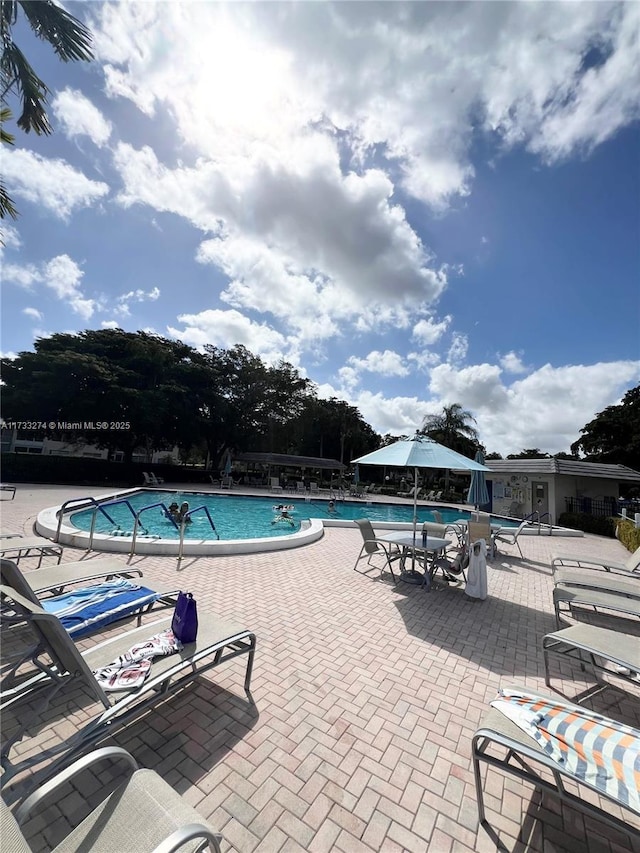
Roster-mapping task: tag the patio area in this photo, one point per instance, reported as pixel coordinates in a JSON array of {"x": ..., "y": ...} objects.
[{"x": 366, "y": 700}]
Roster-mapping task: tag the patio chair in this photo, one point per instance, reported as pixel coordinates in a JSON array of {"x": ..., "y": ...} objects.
[
  {"x": 275, "y": 484},
  {"x": 156, "y": 479},
  {"x": 477, "y": 530},
  {"x": 313, "y": 488},
  {"x": 91, "y": 608},
  {"x": 144, "y": 813},
  {"x": 413, "y": 492},
  {"x": 18, "y": 547},
  {"x": 610, "y": 600},
  {"x": 509, "y": 536},
  {"x": 630, "y": 566},
  {"x": 373, "y": 547},
  {"x": 525, "y": 757},
  {"x": 62, "y": 665},
  {"x": 607, "y": 652},
  {"x": 226, "y": 483},
  {"x": 6, "y": 487}
]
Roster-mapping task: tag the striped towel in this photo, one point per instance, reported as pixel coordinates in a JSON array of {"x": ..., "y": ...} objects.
[
  {"x": 599, "y": 751},
  {"x": 89, "y": 608}
]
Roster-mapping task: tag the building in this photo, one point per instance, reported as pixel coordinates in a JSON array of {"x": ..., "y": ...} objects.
[{"x": 519, "y": 487}]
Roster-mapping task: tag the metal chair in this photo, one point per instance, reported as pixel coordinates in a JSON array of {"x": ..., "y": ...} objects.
[{"x": 373, "y": 547}]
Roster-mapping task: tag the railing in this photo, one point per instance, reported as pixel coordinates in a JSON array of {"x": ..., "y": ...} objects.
[
  {"x": 187, "y": 517},
  {"x": 136, "y": 522},
  {"x": 592, "y": 506},
  {"x": 535, "y": 518},
  {"x": 84, "y": 502},
  {"x": 100, "y": 507}
]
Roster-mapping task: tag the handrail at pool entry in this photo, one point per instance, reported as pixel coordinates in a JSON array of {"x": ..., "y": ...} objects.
[
  {"x": 137, "y": 523},
  {"x": 184, "y": 522},
  {"x": 101, "y": 508},
  {"x": 90, "y": 502}
]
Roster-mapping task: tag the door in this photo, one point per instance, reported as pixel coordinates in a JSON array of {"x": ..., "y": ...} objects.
[{"x": 540, "y": 500}]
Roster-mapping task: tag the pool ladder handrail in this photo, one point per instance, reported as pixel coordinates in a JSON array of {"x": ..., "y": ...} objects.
[
  {"x": 136, "y": 522},
  {"x": 100, "y": 507},
  {"x": 88, "y": 502},
  {"x": 183, "y": 523},
  {"x": 535, "y": 518}
]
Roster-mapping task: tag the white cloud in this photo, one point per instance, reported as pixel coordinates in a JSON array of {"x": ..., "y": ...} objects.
[
  {"x": 227, "y": 328},
  {"x": 428, "y": 332},
  {"x": 458, "y": 349},
  {"x": 79, "y": 117},
  {"x": 138, "y": 295},
  {"x": 109, "y": 324},
  {"x": 62, "y": 275},
  {"x": 512, "y": 363},
  {"x": 53, "y": 184},
  {"x": 33, "y": 313},
  {"x": 387, "y": 363},
  {"x": 9, "y": 238}
]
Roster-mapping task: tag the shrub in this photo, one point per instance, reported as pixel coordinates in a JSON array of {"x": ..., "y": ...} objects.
[
  {"x": 601, "y": 525},
  {"x": 628, "y": 534}
]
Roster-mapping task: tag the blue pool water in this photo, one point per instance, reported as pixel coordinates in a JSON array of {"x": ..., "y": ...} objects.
[{"x": 242, "y": 516}]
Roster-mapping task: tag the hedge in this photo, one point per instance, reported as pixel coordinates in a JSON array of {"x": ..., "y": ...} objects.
[
  {"x": 628, "y": 534},
  {"x": 601, "y": 525}
]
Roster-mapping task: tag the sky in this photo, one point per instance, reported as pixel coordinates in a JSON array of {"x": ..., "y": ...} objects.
[{"x": 415, "y": 204}]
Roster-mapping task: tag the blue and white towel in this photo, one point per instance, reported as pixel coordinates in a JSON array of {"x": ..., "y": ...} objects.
[{"x": 90, "y": 608}]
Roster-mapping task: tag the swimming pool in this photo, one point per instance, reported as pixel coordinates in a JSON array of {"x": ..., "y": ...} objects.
[
  {"x": 242, "y": 516},
  {"x": 243, "y": 523}
]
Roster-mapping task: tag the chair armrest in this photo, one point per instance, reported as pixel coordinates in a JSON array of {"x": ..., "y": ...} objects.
[
  {"x": 191, "y": 831},
  {"x": 68, "y": 773}
]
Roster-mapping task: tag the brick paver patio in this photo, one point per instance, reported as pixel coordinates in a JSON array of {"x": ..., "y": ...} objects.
[{"x": 366, "y": 699}]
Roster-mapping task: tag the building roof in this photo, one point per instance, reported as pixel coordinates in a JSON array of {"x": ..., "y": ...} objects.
[
  {"x": 567, "y": 467},
  {"x": 286, "y": 459}
]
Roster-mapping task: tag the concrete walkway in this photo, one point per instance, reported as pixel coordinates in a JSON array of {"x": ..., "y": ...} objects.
[{"x": 366, "y": 699}]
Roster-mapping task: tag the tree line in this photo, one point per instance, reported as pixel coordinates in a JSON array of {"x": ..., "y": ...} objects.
[
  {"x": 156, "y": 393},
  {"x": 160, "y": 393}
]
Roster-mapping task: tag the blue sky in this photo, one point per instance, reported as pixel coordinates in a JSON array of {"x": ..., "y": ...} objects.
[{"x": 431, "y": 203}]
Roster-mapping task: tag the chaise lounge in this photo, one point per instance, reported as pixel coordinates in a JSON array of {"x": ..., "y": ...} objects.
[
  {"x": 62, "y": 666},
  {"x": 19, "y": 547}
]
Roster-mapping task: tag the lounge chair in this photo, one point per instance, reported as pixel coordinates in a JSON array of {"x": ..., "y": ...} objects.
[
  {"x": 313, "y": 488},
  {"x": 629, "y": 566},
  {"x": 523, "y": 758},
  {"x": 604, "y": 581},
  {"x": 572, "y": 596},
  {"x": 509, "y": 536},
  {"x": 413, "y": 491},
  {"x": 55, "y": 579},
  {"x": 373, "y": 547},
  {"x": 6, "y": 487},
  {"x": 218, "y": 641},
  {"x": 609, "y": 652},
  {"x": 144, "y": 813},
  {"x": 91, "y": 608},
  {"x": 226, "y": 483},
  {"x": 275, "y": 484},
  {"x": 18, "y": 547}
]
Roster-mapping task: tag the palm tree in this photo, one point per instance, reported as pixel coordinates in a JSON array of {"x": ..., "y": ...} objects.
[
  {"x": 70, "y": 39},
  {"x": 451, "y": 427},
  {"x": 6, "y": 202}
]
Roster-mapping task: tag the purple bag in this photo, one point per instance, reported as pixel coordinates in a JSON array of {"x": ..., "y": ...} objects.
[{"x": 185, "y": 618}]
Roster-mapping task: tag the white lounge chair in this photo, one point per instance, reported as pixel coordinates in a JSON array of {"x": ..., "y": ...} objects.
[
  {"x": 6, "y": 487},
  {"x": 217, "y": 642},
  {"x": 18, "y": 547},
  {"x": 144, "y": 813},
  {"x": 629, "y": 566},
  {"x": 275, "y": 484}
]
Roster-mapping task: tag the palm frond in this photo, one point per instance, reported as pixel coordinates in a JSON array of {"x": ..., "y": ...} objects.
[
  {"x": 17, "y": 71},
  {"x": 68, "y": 36}
]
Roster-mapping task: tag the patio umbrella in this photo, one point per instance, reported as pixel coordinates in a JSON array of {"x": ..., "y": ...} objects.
[
  {"x": 478, "y": 494},
  {"x": 419, "y": 452},
  {"x": 227, "y": 464},
  {"x": 356, "y": 476}
]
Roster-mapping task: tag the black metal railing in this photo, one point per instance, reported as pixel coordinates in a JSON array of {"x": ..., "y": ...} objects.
[{"x": 593, "y": 506}]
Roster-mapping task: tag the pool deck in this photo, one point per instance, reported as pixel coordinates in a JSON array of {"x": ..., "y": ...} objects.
[{"x": 366, "y": 700}]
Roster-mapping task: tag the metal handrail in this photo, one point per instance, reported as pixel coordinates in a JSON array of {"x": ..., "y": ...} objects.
[
  {"x": 88, "y": 502},
  {"x": 186, "y": 517},
  {"x": 136, "y": 522},
  {"x": 108, "y": 503},
  {"x": 549, "y": 523}
]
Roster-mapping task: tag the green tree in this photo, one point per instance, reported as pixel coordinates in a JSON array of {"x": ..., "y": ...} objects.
[
  {"x": 530, "y": 453},
  {"x": 71, "y": 41},
  {"x": 453, "y": 429},
  {"x": 614, "y": 434}
]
